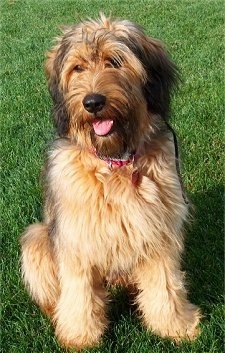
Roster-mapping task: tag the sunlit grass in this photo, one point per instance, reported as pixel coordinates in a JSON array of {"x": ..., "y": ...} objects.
[{"x": 193, "y": 33}]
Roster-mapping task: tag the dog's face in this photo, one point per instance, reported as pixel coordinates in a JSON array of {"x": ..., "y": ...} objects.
[{"x": 108, "y": 80}]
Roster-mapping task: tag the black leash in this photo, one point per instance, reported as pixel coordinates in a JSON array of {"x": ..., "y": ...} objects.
[{"x": 176, "y": 148}]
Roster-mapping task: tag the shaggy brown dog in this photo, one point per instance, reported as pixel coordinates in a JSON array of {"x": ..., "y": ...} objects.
[{"x": 114, "y": 203}]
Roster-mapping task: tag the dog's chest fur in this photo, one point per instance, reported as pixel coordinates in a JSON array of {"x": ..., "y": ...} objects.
[{"x": 100, "y": 208}]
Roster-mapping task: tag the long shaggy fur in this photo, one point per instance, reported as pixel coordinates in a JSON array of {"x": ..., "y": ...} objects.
[{"x": 104, "y": 217}]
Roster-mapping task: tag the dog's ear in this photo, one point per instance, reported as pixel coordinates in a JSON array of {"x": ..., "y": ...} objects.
[
  {"x": 162, "y": 76},
  {"x": 52, "y": 69}
]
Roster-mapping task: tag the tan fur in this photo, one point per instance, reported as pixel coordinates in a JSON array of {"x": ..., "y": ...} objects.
[{"x": 98, "y": 223}]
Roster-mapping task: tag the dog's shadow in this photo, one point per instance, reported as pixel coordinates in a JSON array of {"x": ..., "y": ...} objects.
[{"x": 202, "y": 261}]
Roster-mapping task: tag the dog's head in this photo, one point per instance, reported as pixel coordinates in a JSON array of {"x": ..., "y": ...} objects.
[{"x": 110, "y": 84}]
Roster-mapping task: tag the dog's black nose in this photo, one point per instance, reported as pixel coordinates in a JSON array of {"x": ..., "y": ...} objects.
[{"x": 93, "y": 103}]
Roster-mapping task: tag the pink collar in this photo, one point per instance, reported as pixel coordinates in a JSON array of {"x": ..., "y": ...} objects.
[
  {"x": 128, "y": 158},
  {"x": 120, "y": 162}
]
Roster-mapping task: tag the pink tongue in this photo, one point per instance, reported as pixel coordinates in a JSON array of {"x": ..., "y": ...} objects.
[{"x": 102, "y": 127}]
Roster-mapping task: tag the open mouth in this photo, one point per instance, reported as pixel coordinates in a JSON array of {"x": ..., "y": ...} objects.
[{"x": 102, "y": 127}]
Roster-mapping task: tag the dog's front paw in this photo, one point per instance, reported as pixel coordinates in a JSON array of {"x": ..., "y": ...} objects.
[
  {"x": 84, "y": 336},
  {"x": 183, "y": 325},
  {"x": 187, "y": 327}
]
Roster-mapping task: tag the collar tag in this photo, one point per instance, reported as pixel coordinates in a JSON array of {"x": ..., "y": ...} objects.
[{"x": 135, "y": 178}]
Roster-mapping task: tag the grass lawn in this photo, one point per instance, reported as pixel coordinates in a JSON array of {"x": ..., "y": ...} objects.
[{"x": 193, "y": 31}]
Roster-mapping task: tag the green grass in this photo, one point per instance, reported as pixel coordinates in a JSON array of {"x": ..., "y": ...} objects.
[{"x": 193, "y": 31}]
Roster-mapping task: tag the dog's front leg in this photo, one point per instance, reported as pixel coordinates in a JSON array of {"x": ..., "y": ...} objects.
[
  {"x": 163, "y": 299},
  {"x": 80, "y": 313}
]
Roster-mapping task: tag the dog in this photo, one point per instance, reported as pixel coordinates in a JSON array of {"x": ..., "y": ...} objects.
[{"x": 114, "y": 204}]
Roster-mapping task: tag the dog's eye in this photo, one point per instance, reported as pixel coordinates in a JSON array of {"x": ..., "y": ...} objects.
[
  {"x": 78, "y": 68},
  {"x": 111, "y": 62}
]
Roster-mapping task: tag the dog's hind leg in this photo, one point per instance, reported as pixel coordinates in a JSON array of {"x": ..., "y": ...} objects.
[
  {"x": 38, "y": 267},
  {"x": 162, "y": 299}
]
